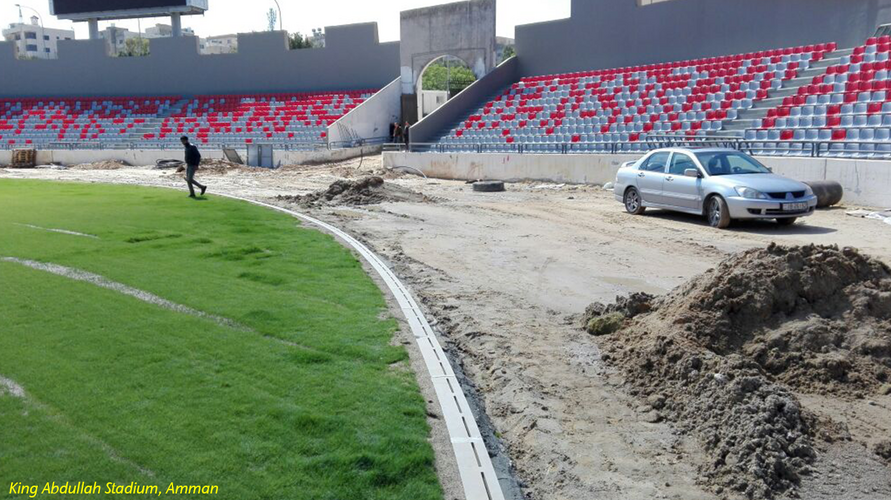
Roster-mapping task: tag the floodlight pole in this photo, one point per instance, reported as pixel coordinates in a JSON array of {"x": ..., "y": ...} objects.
[{"x": 281, "y": 22}]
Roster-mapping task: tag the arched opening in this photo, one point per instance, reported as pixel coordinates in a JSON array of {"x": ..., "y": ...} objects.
[{"x": 442, "y": 78}]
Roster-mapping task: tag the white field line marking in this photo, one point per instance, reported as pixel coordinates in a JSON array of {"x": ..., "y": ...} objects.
[
  {"x": 11, "y": 387},
  {"x": 100, "y": 281},
  {"x": 18, "y": 391},
  {"x": 95, "y": 279},
  {"x": 60, "y": 231},
  {"x": 474, "y": 464}
]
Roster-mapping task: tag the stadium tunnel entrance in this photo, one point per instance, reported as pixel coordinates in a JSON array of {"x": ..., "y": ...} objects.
[
  {"x": 461, "y": 30},
  {"x": 440, "y": 80}
]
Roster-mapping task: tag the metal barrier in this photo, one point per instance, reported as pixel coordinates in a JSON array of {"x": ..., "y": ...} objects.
[{"x": 812, "y": 149}]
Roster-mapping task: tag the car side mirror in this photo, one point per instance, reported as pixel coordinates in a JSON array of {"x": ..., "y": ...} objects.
[{"x": 692, "y": 172}]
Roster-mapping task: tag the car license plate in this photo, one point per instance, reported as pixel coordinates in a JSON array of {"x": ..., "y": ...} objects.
[{"x": 794, "y": 207}]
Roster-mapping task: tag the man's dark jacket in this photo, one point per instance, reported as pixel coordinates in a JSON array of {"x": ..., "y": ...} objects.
[{"x": 193, "y": 157}]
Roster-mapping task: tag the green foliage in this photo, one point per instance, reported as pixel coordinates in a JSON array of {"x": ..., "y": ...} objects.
[
  {"x": 299, "y": 41},
  {"x": 135, "y": 47},
  {"x": 509, "y": 52},
  {"x": 455, "y": 78},
  {"x": 301, "y": 402}
]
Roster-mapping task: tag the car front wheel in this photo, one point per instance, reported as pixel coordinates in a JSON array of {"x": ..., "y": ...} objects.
[
  {"x": 633, "y": 202},
  {"x": 717, "y": 213}
]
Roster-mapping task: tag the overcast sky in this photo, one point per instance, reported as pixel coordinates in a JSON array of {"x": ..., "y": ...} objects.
[{"x": 240, "y": 16}]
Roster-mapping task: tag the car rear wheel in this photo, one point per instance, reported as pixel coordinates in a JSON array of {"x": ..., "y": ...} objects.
[
  {"x": 717, "y": 213},
  {"x": 787, "y": 221},
  {"x": 633, "y": 202}
]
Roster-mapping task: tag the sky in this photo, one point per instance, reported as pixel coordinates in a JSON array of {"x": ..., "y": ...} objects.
[{"x": 241, "y": 16}]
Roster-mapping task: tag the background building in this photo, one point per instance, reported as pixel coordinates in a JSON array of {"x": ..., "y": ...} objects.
[
  {"x": 220, "y": 44},
  {"x": 32, "y": 41}
]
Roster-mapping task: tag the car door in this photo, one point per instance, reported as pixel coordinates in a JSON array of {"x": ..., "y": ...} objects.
[
  {"x": 679, "y": 190},
  {"x": 651, "y": 177}
]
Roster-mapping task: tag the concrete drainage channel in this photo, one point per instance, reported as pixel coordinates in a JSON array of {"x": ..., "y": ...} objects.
[{"x": 478, "y": 475}]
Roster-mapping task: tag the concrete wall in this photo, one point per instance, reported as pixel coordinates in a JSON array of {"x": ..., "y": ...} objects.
[
  {"x": 372, "y": 118},
  {"x": 352, "y": 59},
  {"x": 866, "y": 182},
  {"x": 461, "y": 29},
  {"x": 149, "y": 157},
  {"x": 459, "y": 106},
  {"x": 615, "y": 33}
]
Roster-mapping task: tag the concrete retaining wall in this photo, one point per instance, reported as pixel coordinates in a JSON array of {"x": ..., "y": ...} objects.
[
  {"x": 866, "y": 182},
  {"x": 372, "y": 118},
  {"x": 353, "y": 59},
  {"x": 149, "y": 157},
  {"x": 615, "y": 33}
]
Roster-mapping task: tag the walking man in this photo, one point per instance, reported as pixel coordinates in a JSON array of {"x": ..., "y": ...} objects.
[
  {"x": 406, "y": 130},
  {"x": 193, "y": 159}
]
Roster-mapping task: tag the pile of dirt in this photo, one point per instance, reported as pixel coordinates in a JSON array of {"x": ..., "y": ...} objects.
[
  {"x": 102, "y": 165},
  {"x": 213, "y": 166},
  {"x": 367, "y": 191},
  {"x": 722, "y": 355}
]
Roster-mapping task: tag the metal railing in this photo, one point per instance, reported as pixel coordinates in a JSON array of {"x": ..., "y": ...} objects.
[{"x": 800, "y": 148}]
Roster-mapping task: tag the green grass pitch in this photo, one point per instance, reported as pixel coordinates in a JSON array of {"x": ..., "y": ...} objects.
[{"x": 307, "y": 399}]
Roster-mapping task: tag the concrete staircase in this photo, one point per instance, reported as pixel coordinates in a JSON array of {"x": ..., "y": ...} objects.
[
  {"x": 751, "y": 118},
  {"x": 152, "y": 125}
]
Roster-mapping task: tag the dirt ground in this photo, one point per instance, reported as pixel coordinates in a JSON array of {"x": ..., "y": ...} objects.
[{"x": 505, "y": 277}]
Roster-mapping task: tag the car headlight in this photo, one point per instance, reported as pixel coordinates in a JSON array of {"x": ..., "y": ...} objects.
[
  {"x": 751, "y": 194},
  {"x": 808, "y": 191}
]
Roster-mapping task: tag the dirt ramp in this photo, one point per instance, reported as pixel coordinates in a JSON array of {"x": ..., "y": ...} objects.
[
  {"x": 722, "y": 355},
  {"x": 367, "y": 191}
]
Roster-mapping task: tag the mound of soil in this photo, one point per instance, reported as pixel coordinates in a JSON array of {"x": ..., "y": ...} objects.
[
  {"x": 102, "y": 165},
  {"x": 721, "y": 355},
  {"x": 367, "y": 191}
]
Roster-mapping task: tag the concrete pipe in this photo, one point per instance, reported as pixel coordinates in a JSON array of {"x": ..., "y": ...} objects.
[{"x": 828, "y": 193}]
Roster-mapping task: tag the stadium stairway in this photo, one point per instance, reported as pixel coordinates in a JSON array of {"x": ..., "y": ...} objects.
[{"x": 745, "y": 118}]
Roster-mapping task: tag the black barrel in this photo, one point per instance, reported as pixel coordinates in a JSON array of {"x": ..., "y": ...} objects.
[{"x": 828, "y": 193}]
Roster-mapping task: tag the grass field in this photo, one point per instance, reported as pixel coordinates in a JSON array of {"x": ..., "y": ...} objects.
[{"x": 304, "y": 398}]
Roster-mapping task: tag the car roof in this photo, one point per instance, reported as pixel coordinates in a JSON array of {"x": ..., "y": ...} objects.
[{"x": 694, "y": 150}]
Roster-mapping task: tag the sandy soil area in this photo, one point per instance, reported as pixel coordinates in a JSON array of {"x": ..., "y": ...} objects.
[{"x": 504, "y": 275}]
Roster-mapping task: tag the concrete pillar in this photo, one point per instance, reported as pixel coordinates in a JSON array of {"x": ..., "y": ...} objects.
[
  {"x": 177, "y": 24},
  {"x": 94, "y": 29}
]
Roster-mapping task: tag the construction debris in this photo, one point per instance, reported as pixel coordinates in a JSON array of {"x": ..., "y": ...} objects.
[
  {"x": 102, "y": 165},
  {"x": 367, "y": 191},
  {"x": 24, "y": 158},
  {"x": 722, "y": 356},
  {"x": 883, "y": 216}
]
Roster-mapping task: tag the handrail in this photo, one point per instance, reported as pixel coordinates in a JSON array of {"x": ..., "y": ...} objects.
[{"x": 804, "y": 148}]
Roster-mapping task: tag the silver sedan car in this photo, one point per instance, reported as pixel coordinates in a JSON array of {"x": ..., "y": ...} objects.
[{"x": 721, "y": 184}]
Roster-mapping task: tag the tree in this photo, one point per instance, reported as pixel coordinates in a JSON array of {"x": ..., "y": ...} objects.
[
  {"x": 272, "y": 17},
  {"x": 454, "y": 77},
  {"x": 508, "y": 52},
  {"x": 135, "y": 47},
  {"x": 299, "y": 41}
]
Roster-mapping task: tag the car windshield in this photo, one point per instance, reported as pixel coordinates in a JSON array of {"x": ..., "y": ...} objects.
[{"x": 730, "y": 163}]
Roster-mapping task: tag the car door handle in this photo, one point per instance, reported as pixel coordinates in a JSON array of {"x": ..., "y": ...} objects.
[
  {"x": 641, "y": 174},
  {"x": 669, "y": 178}
]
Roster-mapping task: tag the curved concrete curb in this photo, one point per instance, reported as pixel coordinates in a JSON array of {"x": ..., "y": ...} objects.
[{"x": 474, "y": 464}]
